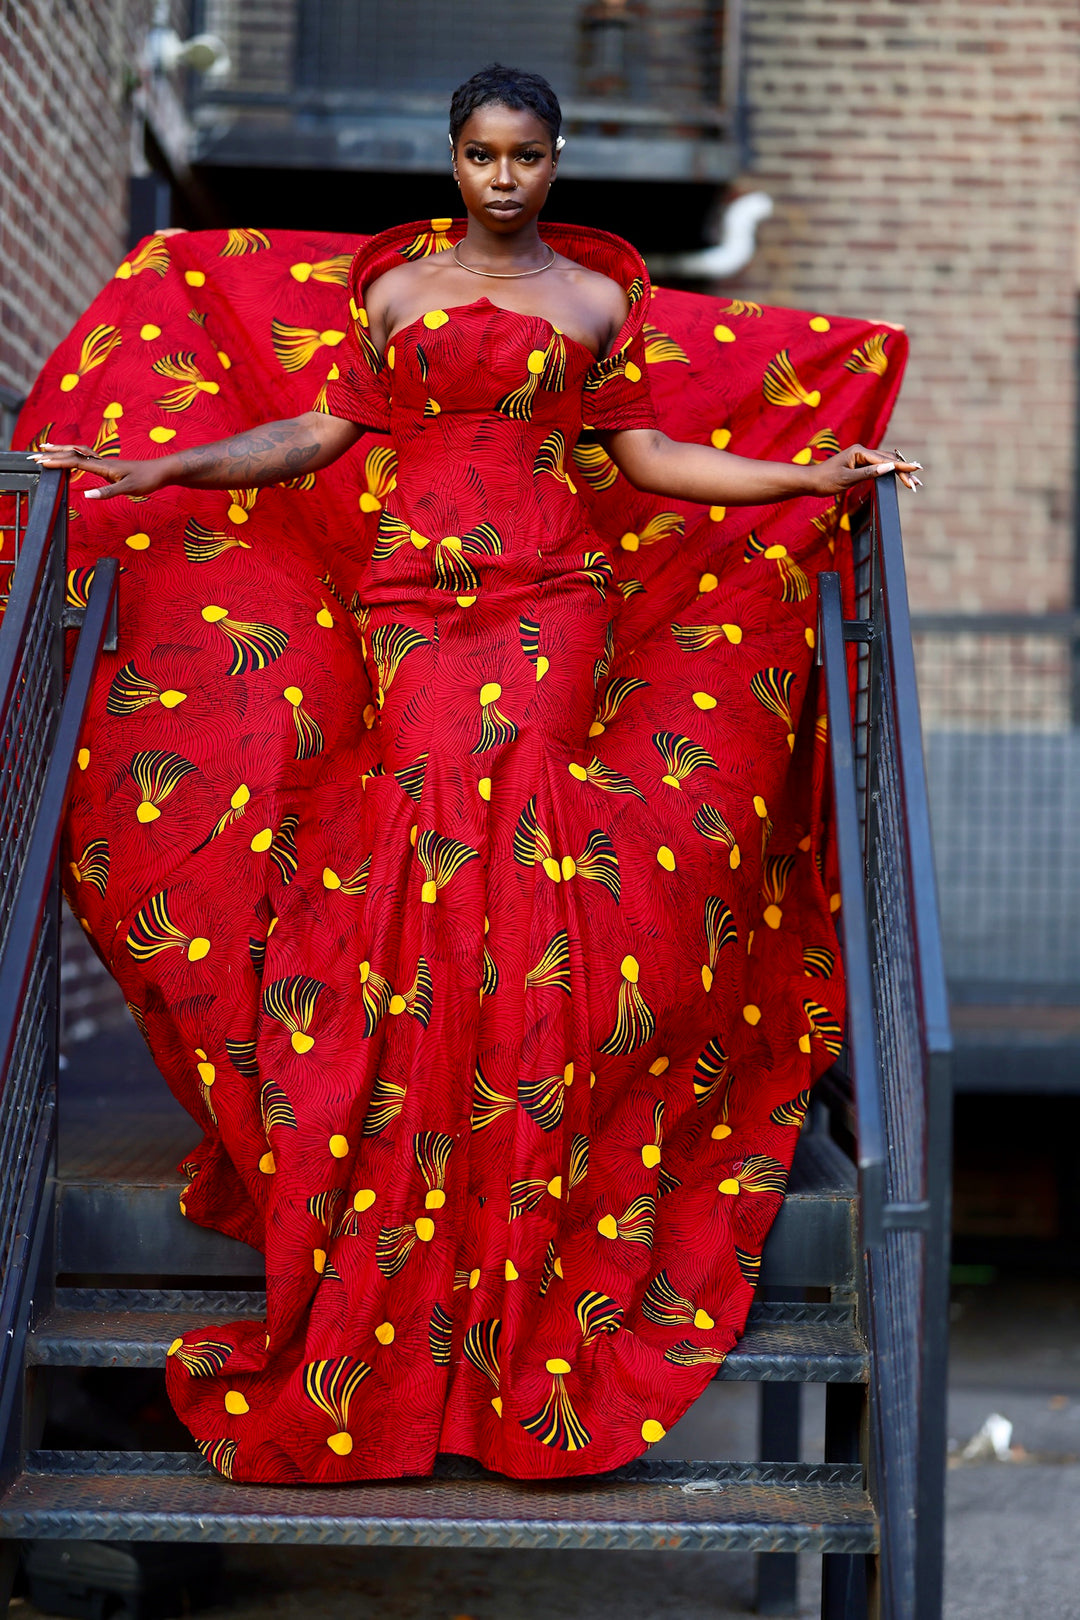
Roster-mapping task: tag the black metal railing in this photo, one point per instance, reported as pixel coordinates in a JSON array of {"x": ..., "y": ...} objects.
[
  {"x": 898, "y": 1047},
  {"x": 40, "y": 721},
  {"x": 897, "y": 1062}
]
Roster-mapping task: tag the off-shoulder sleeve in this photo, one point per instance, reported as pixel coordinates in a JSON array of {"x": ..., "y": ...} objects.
[
  {"x": 616, "y": 390},
  {"x": 357, "y": 386}
]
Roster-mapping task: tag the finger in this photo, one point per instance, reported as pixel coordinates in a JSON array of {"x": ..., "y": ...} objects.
[
  {"x": 874, "y": 469},
  {"x": 105, "y": 492},
  {"x": 65, "y": 455},
  {"x": 100, "y": 469},
  {"x": 66, "y": 460}
]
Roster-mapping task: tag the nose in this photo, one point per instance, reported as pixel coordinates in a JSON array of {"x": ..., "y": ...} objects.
[{"x": 503, "y": 178}]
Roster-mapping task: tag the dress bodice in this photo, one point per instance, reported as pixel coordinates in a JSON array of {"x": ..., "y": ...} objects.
[{"x": 484, "y": 407}]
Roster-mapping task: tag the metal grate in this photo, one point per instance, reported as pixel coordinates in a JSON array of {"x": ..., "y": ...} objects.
[
  {"x": 30, "y": 704},
  {"x": 1003, "y": 755},
  {"x": 656, "y": 56},
  {"x": 648, "y": 91},
  {"x": 29, "y": 1099},
  {"x": 892, "y": 932},
  {"x": 27, "y": 729},
  {"x": 14, "y": 508}
]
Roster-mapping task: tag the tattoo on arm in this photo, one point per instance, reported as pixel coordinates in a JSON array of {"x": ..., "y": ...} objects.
[{"x": 268, "y": 454}]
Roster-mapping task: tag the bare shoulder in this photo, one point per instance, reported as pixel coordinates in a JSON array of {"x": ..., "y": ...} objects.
[
  {"x": 602, "y": 299},
  {"x": 603, "y": 296},
  {"x": 401, "y": 283}
]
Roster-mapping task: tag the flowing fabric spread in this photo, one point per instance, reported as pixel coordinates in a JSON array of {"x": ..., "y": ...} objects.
[{"x": 454, "y": 821}]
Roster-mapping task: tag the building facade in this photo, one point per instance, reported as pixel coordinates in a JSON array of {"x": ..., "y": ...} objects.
[{"x": 925, "y": 164}]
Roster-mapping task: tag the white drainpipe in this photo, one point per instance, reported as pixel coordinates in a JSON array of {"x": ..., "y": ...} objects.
[{"x": 727, "y": 257}]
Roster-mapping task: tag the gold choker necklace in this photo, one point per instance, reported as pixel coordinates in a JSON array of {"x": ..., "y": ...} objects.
[{"x": 504, "y": 275}]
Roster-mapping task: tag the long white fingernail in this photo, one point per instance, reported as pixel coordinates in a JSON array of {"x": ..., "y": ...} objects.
[{"x": 884, "y": 467}]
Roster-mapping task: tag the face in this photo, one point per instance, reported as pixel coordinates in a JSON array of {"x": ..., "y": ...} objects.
[{"x": 504, "y": 161}]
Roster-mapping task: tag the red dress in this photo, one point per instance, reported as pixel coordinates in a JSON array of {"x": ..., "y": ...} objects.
[{"x": 453, "y": 822}]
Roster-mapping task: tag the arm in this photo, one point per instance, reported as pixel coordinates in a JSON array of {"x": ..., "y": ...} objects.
[
  {"x": 271, "y": 453},
  {"x": 658, "y": 465}
]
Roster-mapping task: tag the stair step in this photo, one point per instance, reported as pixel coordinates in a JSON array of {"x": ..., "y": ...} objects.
[
  {"x": 653, "y": 1503},
  {"x": 111, "y": 1222},
  {"x": 132, "y": 1328}
]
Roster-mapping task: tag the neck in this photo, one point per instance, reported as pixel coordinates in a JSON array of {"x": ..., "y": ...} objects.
[{"x": 491, "y": 250}]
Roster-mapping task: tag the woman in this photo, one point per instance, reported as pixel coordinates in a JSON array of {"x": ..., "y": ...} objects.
[{"x": 497, "y": 987}]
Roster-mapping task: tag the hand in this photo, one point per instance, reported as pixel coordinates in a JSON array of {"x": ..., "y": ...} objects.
[
  {"x": 856, "y": 464},
  {"x": 122, "y": 477}
]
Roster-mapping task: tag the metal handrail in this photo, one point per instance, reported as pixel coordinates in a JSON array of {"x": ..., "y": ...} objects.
[
  {"x": 861, "y": 1026},
  {"x": 897, "y": 623},
  {"x": 898, "y": 1050},
  {"x": 929, "y": 1505}
]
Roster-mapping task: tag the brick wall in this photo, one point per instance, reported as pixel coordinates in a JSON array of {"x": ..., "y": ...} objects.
[
  {"x": 924, "y": 158},
  {"x": 65, "y": 70},
  {"x": 64, "y": 135}
]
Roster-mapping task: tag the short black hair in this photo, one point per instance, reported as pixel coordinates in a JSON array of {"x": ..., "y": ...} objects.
[{"x": 505, "y": 87}]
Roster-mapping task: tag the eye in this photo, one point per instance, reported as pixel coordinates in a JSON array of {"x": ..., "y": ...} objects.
[
  {"x": 476, "y": 154},
  {"x": 530, "y": 157}
]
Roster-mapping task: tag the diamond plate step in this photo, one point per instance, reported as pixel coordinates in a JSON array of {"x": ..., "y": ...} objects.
[
  {"x": 133, "y": 1328},
  {"x": 118, "y": 1215},
  {"x": 704, "y": 1507}
]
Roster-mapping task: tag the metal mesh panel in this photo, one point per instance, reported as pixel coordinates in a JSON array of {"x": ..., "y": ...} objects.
[
  {"x": 664, "y": 56},
  {"x": 14, "y": 507},
  {"x": 894, "y": 1284},
  {"x": 893, "y": 935},
  {"x": 32, "y": 662},
  {"x": 896, "y": 1270},
  {"x": 28, "y": 1095},
  {"x": 1003, "y": 757},
  {"x": 26, "y": 733}
]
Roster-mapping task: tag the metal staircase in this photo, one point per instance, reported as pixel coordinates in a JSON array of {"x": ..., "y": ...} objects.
[{"x": 101, "y": 1270}]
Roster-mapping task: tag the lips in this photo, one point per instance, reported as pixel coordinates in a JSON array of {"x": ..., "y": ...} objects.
[{"x": 503, "y": 207}]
